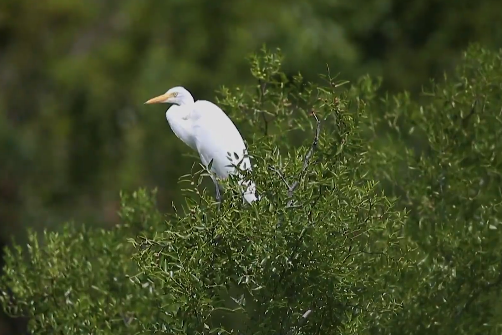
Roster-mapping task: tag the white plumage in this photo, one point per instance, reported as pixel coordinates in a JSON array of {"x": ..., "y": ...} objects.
[{"x": 204, "y": 127}]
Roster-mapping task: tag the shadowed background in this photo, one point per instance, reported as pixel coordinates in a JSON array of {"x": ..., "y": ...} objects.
[{"x": 74, "y": 76}]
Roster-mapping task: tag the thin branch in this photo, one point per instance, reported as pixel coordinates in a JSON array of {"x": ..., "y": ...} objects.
[
  {"x": 291, "y": 188},
  {"x": 476, "y": 295},
  {"x": 471, "y": 113},
  {"x": 309, "y": 154},
  {"x": 323, "y": 317},
  {"x": 298, "y": 242},
  {"x": 273, "y": 169},
  {"x": 348, "y": 254},
  {"x": 306, "y": 160},
  {"x": 262, "y": 90}
]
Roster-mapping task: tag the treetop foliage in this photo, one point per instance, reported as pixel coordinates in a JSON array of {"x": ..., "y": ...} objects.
[{"x": 442, "y": 162}]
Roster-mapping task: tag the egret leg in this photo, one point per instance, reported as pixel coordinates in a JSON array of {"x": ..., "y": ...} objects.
[
  {"x": 218, "y": 192},
  {"x": 218, "y": 195}
]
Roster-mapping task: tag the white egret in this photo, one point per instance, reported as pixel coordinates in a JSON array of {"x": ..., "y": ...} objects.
[{"x": 204, "y": 127}]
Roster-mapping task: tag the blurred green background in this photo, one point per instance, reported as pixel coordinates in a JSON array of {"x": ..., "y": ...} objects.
[{"x": 74, "y": 76}]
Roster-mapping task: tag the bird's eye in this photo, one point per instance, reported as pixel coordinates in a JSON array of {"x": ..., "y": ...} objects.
[{"x": 175, "y": 94}]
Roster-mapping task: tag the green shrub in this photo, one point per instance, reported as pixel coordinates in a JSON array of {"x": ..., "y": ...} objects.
[
  {"x": 377, "y": 216},
  {"x": 76, "y": 281},
  {"x": 442, "y": 160}
]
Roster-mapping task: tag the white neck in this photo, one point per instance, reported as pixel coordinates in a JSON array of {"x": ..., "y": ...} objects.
[{"x": 185, "y": 100}]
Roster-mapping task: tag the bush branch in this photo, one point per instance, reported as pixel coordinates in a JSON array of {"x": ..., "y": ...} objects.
[
  {"x": 477, "y": 293},
  {"x": 306, "y": 160}
]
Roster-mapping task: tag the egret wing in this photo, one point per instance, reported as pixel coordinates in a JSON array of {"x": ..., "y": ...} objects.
[{"x": 218, "y": 139}]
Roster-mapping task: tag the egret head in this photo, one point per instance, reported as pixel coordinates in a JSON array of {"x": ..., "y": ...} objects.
[{"x": 177, "y": 95}]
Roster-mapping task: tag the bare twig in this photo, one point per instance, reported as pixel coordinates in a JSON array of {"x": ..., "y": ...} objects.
[
  {"x": 476, "y": 295},
  {"x": 471, "y": 113},
  {"x": 262, "y": 90},
  {"x": 306, "y": 160},
  {"x": 273, "y": 169},
  {"x": 294, "y": 249},
  {"x": 291, "y": 189}
]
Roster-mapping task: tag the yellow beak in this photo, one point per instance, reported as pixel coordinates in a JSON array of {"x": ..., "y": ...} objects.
[{"x": 159, "y": 99}]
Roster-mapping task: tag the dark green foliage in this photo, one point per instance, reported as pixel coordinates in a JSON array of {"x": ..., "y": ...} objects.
[
  {"x": 76, "y": 281},
  {"x": 443, "y": 163},
  {"x": 384, "y": 220}
]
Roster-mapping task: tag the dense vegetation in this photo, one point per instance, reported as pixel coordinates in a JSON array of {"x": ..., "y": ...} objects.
[{"x": 384, "y": 219}]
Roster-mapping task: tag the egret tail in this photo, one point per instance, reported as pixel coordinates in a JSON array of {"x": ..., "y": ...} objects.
[{"x": 250, "y": 193}]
